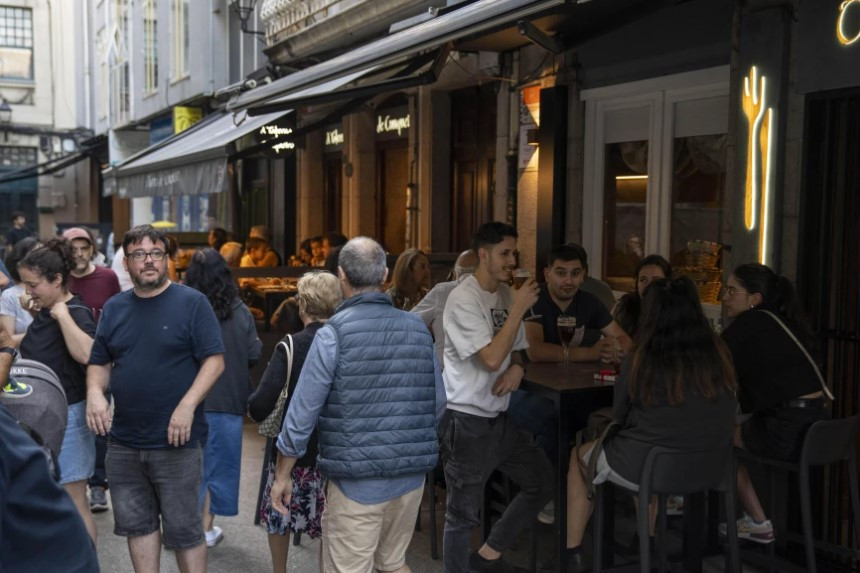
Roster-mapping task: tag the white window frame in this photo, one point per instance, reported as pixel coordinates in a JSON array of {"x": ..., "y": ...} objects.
[
  {"x": 149, "y": 15},
  {"x": 180, "y": 60},
  {"x": 657, "y": 97}
]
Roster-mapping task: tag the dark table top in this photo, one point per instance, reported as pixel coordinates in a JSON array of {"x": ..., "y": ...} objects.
[{"x": 554, "y": 377}]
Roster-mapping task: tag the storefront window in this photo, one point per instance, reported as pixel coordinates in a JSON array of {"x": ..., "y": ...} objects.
[
  {"x": 698, "y": 210},
  {"x": 624, "y": 211}
]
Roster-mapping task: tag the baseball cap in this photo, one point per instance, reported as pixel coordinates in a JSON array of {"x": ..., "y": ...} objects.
[{"x": 73, "y": 233}]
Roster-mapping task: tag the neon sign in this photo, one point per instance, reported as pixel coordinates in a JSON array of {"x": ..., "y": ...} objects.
[
  {"x": 334, "y": 137},
  {"x": 844, "y": 37},
  {"x": 759, "y": 158},
  {"x": 388, "y": 124}
]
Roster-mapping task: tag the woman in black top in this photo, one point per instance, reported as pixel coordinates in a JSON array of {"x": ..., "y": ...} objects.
[
  {"x": 677, "y": 390},
  {"x": 61, "y": 337},
  {"x": 319, "y": 295},
  {"x": 629, "y": 307},
  {"x": 779, "y": 389}
]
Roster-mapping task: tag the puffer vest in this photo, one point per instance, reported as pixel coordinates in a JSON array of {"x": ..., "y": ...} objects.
[{"x": 380, "y": 416}]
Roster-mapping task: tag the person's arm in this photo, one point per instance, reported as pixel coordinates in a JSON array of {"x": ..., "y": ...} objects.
[
  {"x": 496, "y": 353},
  {"x": 262, "y": 401},
  {"x": 4, "y": 281},
  {"x": 98, "y": 408},
  {"x": 270, "y": 259},
  {"x": 303, "y": 412},
  {"x": 6, "y": 359},
  {"x": 8, "y": 323},
  {"x": 613, "y": 332},
  {"x": 441, "y": 396},
  {"x": 78, "y": 342},
  {"x": 426, "y": 307},
  {"x": 255, "y": 345},
  {"x": 179, "y": 429},
  {"x": 540, "y": 351}
]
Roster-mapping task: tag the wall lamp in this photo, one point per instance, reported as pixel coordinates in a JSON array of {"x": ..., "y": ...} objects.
[
  {"x": 243, "y": 9},
  {"x": 537, "y": 36}
]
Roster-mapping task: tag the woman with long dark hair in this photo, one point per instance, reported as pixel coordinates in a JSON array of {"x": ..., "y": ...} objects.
[
  {"x": 319, "y": 295},
  {"x": 629, "y": 307},
  {"x": 780, "y": 390},
  {"x": 225, "y": 404},
  {"x": 676, "y": 390},
  {"x": 15, "y": 319},
  {"x": 61, "y": 337}
]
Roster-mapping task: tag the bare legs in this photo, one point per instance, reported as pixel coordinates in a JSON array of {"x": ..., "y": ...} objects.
[
  {"x": 192, "y": 560},
  {"x": 145, "y": 551},
  {"x": 746, "y": 491},
  {"x": 279, "y": 547},
  {"x": 579, "y": 507},
  {"x": 78, "y": 492}
]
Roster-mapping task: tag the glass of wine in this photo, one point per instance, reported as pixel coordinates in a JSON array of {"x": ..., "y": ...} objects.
[{"x": 566, "y": 331}]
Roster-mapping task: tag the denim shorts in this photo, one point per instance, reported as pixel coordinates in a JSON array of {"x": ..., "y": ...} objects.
[
  {"x": 222, "y": 463},
  {"x": 154, "y": 489},
  {"x": 77, "y": 459}
]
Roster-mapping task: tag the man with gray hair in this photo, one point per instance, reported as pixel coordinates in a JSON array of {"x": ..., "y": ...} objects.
[
  {"x": 372, "y": 384},
  {"x": 432, "y": 306}
]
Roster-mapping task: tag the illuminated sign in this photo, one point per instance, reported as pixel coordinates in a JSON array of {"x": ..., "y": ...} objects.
[
  {"x": 275, "y": 131},
  {"x": 278, "y": 136},
  {"x": 845, "y": 37},
  {"x": 388, "y": 124},
  {"x": 757, "y": 189},
  {"x": 334, "y": 137}
]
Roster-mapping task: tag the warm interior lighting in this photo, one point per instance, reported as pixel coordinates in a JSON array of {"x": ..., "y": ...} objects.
[
  {"x": 630, "y": 177},
  {"x": 844, "y": 37}
]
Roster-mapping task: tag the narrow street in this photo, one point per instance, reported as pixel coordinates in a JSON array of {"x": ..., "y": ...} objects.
[{"x": 244, "y": 547}]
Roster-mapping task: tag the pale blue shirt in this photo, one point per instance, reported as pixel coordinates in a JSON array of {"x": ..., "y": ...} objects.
[{"x": 312, "y": 390}]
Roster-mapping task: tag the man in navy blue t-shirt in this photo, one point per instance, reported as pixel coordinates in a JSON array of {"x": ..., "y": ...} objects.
[{"x": 160, "y": 347}]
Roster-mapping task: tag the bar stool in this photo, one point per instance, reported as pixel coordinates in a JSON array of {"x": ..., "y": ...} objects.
[
  {"x": 827, "y": 442},
  {"x": 669, "y": 471}
]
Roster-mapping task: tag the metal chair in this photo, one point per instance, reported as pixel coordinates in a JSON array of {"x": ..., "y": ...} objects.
[
  {"x": 827, "y": 442},
  {"x": 667, "y": 472}
]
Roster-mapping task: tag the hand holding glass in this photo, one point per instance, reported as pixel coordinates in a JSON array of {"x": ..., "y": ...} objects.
[
  {"x": 520, "y": 277},
  {"x": 566, "y": 332}
]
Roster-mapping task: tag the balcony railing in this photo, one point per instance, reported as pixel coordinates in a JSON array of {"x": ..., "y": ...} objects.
[{"x": 284, "y": 18}]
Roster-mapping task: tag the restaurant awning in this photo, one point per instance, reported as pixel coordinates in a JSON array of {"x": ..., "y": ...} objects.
[
  {"x": 481, "y": 17},
  {"x": 194, "y": 162}
]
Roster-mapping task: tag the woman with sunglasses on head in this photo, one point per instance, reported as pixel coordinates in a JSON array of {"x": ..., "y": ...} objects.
[
  {"x": 61, "y": 337},
  {"x": 779, "y": 388}
]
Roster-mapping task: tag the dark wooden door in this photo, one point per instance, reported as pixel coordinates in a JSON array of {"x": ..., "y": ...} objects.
[
  {"x": 332, "y": 191},
  {"x": 393, "y": 177},
  {"x": 473, "y": 151}
]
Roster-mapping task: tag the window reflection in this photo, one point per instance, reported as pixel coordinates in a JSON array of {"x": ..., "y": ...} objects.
[{"x": 624, "y": 201}]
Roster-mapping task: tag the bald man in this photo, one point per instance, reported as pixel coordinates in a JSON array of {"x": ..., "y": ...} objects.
[{"x": 431, "y": 307}]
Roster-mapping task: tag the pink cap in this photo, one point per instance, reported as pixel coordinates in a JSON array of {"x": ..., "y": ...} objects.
[{"x": 73, "y": 233}]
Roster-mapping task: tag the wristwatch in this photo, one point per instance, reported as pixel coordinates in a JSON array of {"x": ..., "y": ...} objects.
[{"x": 13, "y": 352}]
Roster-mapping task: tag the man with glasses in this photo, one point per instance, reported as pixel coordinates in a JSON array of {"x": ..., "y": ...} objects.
[
  {"x": 95, "y": 285},
  {"x": 160, "y": 347}
]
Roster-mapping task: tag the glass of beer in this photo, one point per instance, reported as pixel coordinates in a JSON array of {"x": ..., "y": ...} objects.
[
  {"x": 566, "y": 331},
  {"x": 521, "y": 276}
]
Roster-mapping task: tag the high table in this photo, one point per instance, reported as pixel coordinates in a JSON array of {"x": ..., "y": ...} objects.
[{"x": 575, "y": 394}]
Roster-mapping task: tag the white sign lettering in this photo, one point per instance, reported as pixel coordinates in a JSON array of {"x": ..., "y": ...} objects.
[
  {"x": 275, "y": 131},
  {"x": 388, "y": 124},
  {"x": 334, "y": 137},
  {"x": 283, "y": 146}
]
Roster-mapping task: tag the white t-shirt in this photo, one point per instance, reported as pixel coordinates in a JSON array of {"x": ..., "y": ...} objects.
[
  {"x": 10, "y": 305},
  {"x": 472, "y": 318}
]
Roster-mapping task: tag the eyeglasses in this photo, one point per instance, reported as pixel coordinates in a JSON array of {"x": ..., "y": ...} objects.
[
  {"x": 140, "y": 256},
  {"x": 732, "y": 291}
]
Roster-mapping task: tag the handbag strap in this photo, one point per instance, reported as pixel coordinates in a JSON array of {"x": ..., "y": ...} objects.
[
  {"x": 805, "y": 353},
  {"x": 288, "y": 350}
]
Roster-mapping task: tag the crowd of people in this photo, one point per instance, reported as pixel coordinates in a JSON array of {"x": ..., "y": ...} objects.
[{"x": 384, "y": 378}]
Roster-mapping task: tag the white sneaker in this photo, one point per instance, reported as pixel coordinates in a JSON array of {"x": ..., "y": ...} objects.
[
  {"x": 547, "y": 514},
  {"x": 214, "y": 537},
  {"x": 749, "y": 529}
]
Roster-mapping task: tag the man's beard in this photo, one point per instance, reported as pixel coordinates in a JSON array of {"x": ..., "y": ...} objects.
[{"x": 153, "y": 284}]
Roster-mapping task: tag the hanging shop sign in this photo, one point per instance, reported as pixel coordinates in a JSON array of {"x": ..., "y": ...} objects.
[
  {"x": 333, "y": 138},
  {"x": 828, "y": 45},
  {"x": 185, "y": 117},
  {"x": 393, "y": 123},
  {"x": 277, "y": 138}
]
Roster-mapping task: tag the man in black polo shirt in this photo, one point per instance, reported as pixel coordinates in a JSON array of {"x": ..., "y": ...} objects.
[{"x": 566, "y": 269}]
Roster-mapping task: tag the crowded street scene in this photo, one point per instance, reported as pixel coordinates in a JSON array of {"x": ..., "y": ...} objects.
[{"x": 429, "y": 286}]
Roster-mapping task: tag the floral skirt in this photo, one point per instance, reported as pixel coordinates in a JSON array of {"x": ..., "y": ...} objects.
[{"x": 306, "y": 504}]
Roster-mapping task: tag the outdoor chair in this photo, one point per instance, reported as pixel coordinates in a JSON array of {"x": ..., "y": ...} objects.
[
  {"x": 667, "y": 472},
  {"x": 827, "y": 442}
]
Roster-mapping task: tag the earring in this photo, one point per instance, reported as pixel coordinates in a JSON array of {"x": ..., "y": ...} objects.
[{"x": 752, "y": 306}]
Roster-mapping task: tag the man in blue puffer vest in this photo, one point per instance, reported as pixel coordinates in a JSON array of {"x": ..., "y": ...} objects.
[{"x": 371, "y": 381}]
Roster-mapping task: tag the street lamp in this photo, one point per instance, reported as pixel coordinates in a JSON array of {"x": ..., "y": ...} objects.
[
  {"x": 243, "y": 9},
  {"x": 5, "y": 118}
]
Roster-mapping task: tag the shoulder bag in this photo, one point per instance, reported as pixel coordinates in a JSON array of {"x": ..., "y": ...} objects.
[
  {"x": 271, "y": 426},
  {"x": 788, "y": 331}
]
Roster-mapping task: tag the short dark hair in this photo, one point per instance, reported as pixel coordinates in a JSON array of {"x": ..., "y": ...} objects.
[
  {"x": 335, "y": 239},
  {"x": 19, "y": 251},
  {"x": 17, "y": 214},
  {"x": 490, "y": 234},
  {"x": 141, "y": 232},
  {"x": 566, "y": 253}
]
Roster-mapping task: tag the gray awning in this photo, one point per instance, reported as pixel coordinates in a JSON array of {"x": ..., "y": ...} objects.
[
  {"x": 194, "y": 162},
  {"x": 482, "y": 16}
]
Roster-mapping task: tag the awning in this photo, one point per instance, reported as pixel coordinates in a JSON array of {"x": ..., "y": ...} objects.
[
  {"x": 480, "y": 17},
  {"x": 194, "y": 162}
]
